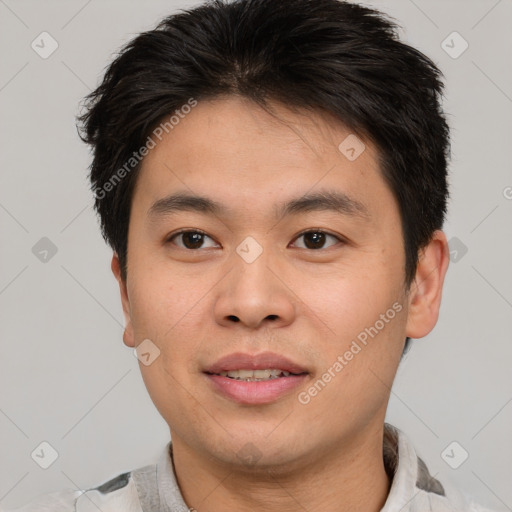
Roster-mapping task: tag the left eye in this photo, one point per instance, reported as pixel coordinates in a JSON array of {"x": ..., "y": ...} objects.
[{"x": 316, "y": 239}]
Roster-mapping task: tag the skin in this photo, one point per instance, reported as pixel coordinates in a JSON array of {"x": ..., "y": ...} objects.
[{"x": 308, "y": 304}]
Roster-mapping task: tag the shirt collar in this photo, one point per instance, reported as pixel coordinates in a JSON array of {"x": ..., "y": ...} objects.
[{"x": 411, "y": 482}]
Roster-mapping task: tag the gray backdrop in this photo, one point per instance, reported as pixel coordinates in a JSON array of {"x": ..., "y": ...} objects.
[{"x": 67, "y": 379}]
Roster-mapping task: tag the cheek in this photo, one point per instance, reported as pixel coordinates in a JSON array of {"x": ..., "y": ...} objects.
[
  {"x": 168, "y": 312},
  {"x": 347, "y": 302},
  {"x": 361, "y": 350},
  {"x": 163, "y": 301},
  {"x": 165, "y": 316},
  {"x": 361, "y": 314}
]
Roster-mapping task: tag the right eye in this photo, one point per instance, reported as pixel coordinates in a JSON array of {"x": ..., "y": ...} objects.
[{"x": 190, "y": 239}]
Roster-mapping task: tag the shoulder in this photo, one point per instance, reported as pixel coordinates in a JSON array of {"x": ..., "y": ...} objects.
[
  {"x": 119, "y": 493},
  {"x": 413, "y": 487},
  {"x": 62, "y": 501}
]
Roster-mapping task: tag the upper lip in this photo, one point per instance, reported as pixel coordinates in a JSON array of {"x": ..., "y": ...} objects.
[{"x": 263, "y": 361}]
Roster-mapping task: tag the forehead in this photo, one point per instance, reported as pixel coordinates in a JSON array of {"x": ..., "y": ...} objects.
[
  {"x": 239, "y": 124},
  {"x": 232, "y": 149}
]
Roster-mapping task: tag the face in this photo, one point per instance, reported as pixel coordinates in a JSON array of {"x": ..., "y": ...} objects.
[{"x": 280, "y": 248}]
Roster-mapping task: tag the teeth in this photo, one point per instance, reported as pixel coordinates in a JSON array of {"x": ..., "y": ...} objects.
[{"x": 255, "y": 375}]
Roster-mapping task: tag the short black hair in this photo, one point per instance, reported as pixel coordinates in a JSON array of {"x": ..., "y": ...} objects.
[{"x": 331, "y": 56}]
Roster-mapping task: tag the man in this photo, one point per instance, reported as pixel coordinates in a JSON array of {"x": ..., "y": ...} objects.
[{"x": 272, "y": 179}]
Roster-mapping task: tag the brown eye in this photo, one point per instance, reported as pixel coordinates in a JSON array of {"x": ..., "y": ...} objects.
[
  {"x": 316, "y": 239},
  {"x": 190, "y": 239}
]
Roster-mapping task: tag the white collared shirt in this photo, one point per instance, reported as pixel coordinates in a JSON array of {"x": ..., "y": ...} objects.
[{"x": 154, "y": 488}]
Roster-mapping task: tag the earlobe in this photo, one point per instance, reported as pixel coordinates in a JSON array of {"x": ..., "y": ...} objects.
[
  {"x": 128, "y": 335},
  {"x": 427, "y": 287}
]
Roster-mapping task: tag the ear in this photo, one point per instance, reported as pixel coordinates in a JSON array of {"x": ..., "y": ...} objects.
[
  {"x": 128, "y": 336},
  {"x": 426, "y": 290}
]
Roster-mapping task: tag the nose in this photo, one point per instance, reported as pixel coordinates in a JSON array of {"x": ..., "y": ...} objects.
[{"x": 255, "y": 293}]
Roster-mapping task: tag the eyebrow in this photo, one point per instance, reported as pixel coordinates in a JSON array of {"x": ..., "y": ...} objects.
[{"x": 326, "y": 200}]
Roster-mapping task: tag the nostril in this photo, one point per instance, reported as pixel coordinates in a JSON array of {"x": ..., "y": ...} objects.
[{"x": 234, "y": 318}]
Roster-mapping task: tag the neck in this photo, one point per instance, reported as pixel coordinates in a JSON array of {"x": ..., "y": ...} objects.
[{"x": 351, "y": 478}]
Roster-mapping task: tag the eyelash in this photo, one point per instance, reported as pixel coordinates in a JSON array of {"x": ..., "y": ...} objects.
[{"x": 198, "y": 231}]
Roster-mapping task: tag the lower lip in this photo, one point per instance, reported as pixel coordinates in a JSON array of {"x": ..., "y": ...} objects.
[{"x": 255, "y": 392}]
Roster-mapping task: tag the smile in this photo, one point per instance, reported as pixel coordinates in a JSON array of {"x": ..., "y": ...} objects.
[{"x": 255, "y": 375}]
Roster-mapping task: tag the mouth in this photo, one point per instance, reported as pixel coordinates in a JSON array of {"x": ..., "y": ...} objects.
[
  {"x": 256, "y": 375},
  {"x": 255, "y": 379}
]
